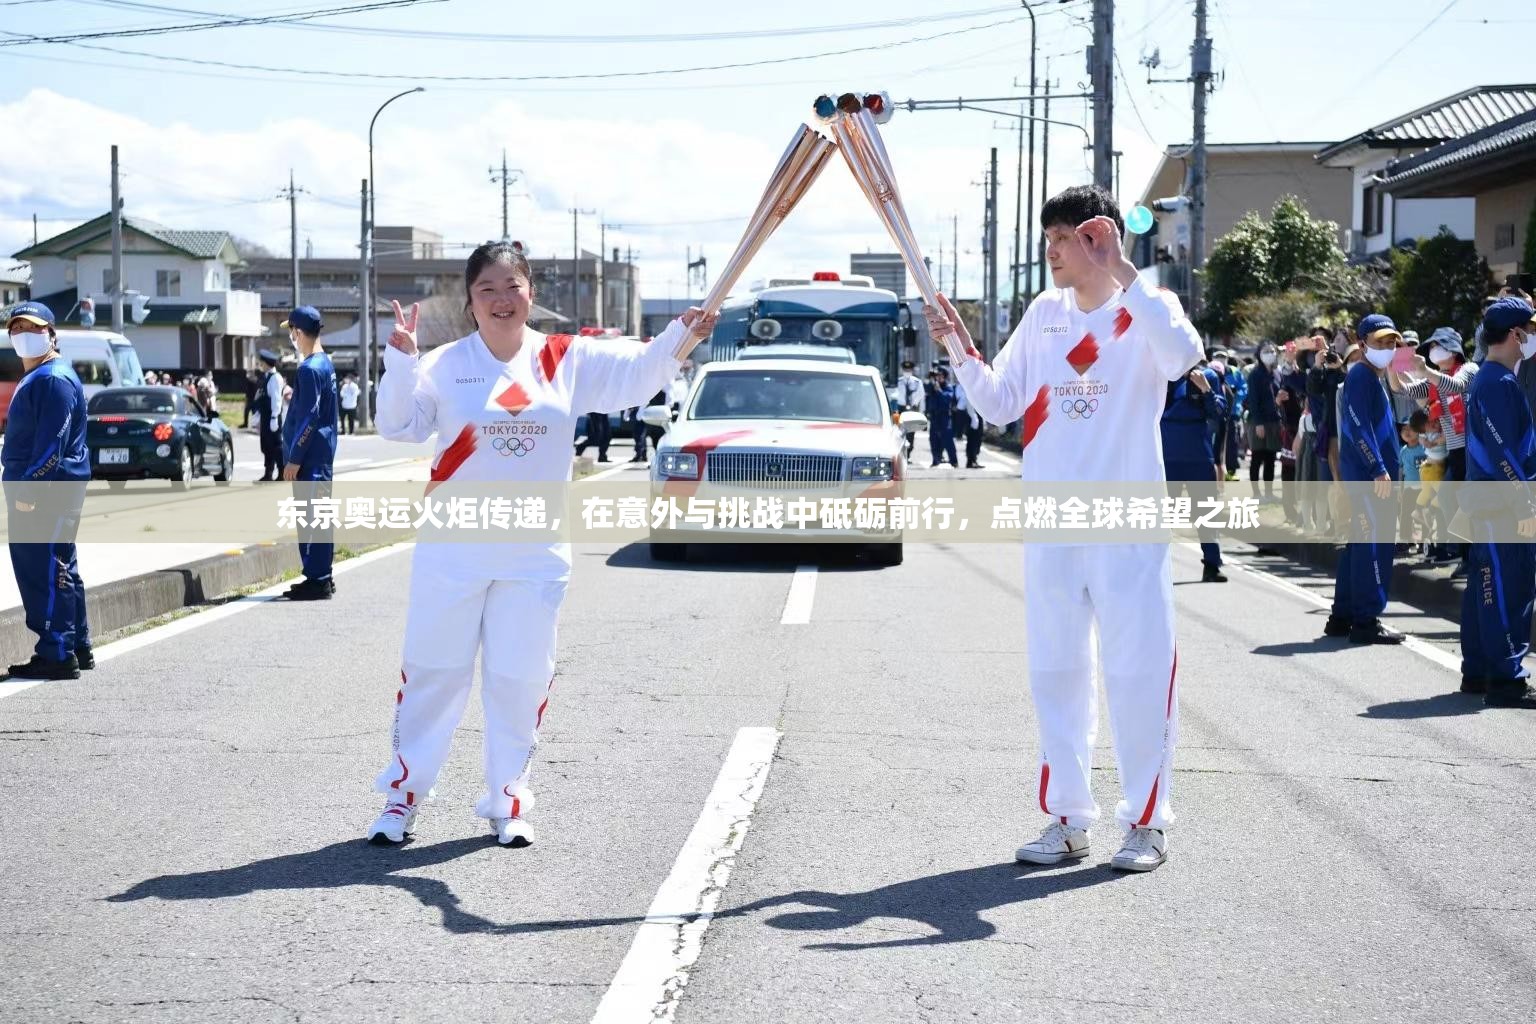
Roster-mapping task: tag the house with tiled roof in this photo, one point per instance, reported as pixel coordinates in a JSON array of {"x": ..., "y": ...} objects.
[
  {"x": 1497, "y": 167},
  {"x": 196, "y": 318},
  {"x": 1382, "y": 219}
]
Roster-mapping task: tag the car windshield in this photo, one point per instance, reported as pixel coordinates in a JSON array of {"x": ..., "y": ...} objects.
[
  {"x": 128, "y": 367},
  {"x": 787, "y": 395},
  {"x": 133, "y": 402}
]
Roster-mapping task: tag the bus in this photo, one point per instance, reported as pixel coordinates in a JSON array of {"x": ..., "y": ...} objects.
[{"x": 824, "y": 309}]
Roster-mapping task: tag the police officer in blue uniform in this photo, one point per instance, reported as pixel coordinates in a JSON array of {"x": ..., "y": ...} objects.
[
  {"x": 1500, "y": 501},
  {"x": 309, "y": 447},
  {"x": 940, "y": 406},
  {"x": 268, "y": 408},
  {"x": 1368, "y": 455},
  {"x": 45, "y": 467},
  {"x": 1189, "y": 456}
]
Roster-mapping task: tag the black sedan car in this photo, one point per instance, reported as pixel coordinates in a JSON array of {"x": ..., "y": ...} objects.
[{"x": 156, "y": 433}]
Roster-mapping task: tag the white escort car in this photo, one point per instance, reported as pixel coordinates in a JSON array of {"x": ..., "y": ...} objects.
[{"x": 794, "y": 428}]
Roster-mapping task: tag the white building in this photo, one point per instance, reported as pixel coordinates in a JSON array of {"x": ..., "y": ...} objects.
[
  {"x": 1381, "y": 220},
  {"x": 13, "y": 282},
  {"x": 196, "y": 319}
]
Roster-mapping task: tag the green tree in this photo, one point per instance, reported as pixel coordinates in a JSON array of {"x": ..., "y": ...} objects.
[
  {"x": 1237, "y": 268},
  {"x": 1266, "y": 257},
  {"x": 1440, "y": 283},
  {"x": 1277, "y": 318}
]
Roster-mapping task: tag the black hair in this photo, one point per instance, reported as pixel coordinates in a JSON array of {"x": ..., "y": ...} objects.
[
  {"x": 495, "y": 252},
  {"x": 1418, "y": 420},
  {"x": 1078, "y": 204},
  {"x": 1325, "y": 332}
]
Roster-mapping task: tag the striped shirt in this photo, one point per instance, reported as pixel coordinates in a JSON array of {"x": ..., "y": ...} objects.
[{"x": 1450, "y": 394}]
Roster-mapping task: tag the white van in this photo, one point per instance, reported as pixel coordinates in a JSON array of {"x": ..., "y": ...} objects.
[{"x": 101, "y": 359}]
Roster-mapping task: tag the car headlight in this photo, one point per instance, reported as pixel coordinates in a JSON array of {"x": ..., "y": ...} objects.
[
  {"x": 872, "y": 469},
  {"x": 164, "y": 451},
  {"x": 679, "y": 464}
]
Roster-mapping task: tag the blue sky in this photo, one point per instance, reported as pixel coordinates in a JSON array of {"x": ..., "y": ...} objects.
[{"x": 672, "y": 160}]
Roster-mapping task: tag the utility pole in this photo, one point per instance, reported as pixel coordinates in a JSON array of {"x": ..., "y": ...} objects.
[
  {"x": 34, "y": 229},
  {"x": 365, "y": 319},
  {"x": 117, "y": 249},
  {"x": 1200, "y": 71},
  {"x": 992, "y": 297},
  {"x": 504, "y": 178},
  {"x": 1045, "y": 177},
  {"x": 954, "y": 256},
  {"x": 1101, "y": 72},
  {"x": 576, "y": 268},
  {"x": 941, "y": 267},
  {"x": 293, "y": 233},
  {"x": 1014, "y": 310},
  {"x": 599, "y": 282},
  {"x": 1029, "y": 200}
]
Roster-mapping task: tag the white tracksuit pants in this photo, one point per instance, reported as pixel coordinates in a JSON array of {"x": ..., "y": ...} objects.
[
  {"x": 513, "y": 623},
  {"x": 1127, "y": 590}
]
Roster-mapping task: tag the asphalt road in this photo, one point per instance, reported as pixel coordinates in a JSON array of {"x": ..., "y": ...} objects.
[{"x": 184, "y": 823}]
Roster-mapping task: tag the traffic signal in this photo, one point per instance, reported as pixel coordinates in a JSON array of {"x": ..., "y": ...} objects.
[{"x": 878, "y": 104}]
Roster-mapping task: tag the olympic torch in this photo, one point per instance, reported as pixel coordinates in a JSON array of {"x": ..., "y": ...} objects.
[
  {"x": 799, "y": 167},
  {"x": 853, "y": 121}
]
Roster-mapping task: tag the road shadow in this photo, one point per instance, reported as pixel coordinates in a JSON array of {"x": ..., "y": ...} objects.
[
  {"x": 727, "y": 557},
  {"x": 950, "y": 903},
  {"x": 1294, "y": 647},
  {"x": 352, "y": 863},
  {"x": 1441, "y": 705}
]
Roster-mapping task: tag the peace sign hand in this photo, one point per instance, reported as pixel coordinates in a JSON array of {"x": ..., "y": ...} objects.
[{"x": 403, "y": 337}]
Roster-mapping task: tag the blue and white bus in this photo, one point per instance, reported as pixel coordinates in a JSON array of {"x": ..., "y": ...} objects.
[{"x": 824, "y": 309}]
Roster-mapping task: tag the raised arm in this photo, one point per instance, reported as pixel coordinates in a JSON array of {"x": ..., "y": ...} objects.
[
  {"x": 997, "y": 392},
  {"x": 615, "y": 374},
  {"x": 407, "y": 401}
]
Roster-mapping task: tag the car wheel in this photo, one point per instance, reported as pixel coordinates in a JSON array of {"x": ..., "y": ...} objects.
[
  {"x": 887, "y": 554},
  {"x": 183, "y": 469},
  {"x": 226, "y": 471},
  {"x": 669, "y": 552}
]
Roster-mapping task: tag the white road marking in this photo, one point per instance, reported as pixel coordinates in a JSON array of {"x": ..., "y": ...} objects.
[
  {"x": 802, "y": 595},
  {"x": 138, "y": 641},
  {"x": 1009, "y": 461},
  {"x": 1424, "y": 650},
  {"x": 655, "y": 970},
  {"x": 604, "y": 474}
]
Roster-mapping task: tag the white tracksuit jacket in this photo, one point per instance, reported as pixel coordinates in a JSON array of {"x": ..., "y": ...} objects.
[
  {"x": 495, "y": 422},
  {"x": 1090, "y": 388}
]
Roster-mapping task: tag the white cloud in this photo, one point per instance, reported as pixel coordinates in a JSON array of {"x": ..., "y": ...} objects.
[{"x": 663, "y": 172}]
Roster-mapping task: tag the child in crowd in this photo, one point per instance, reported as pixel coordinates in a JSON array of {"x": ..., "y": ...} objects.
[
  {"x": 1431, "y": 473},
  {"x": 1410, "y": 458}
]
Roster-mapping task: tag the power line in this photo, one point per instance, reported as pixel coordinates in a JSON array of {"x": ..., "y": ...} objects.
[
  {"x": 675, "y": 37},
  {"x": 648, "y": 73},
  {"x": 24, "y": 39},
  {"x": 1387, "y": 61}
]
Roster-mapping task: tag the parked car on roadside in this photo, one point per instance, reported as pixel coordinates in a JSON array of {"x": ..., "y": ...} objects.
[{"x": 156, "y": 433}]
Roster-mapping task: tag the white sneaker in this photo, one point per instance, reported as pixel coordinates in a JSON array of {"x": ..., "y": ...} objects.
[
  {"x": 1145, "y": 849},
  {"x": 394, "y": 824},
  {"x": 1057, "y": 843},
  {"x": 513, "y": 832}
]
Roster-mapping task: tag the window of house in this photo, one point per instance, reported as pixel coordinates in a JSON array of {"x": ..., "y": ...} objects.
[
  {"x": 1504, "y": 236},
  {"x": 106, "y": 281},
  {"x": 1373, "y": 202},
  {"x": 167, "y": 284}
]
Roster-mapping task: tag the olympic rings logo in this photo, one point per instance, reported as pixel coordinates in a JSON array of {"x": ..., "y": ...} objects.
[
  {"x": 1080, "y": 408},
  {"x": 518, "y": 446}
]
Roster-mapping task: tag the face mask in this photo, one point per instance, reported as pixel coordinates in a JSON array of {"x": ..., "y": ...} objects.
[
  {"x": 1267, "y": 358},
  {"x": 1381, "y": 358},
  {"x": 1441, "y": 357},
  {"x": 31, "y": 344},
  {"x": 1528, "y": 347}
]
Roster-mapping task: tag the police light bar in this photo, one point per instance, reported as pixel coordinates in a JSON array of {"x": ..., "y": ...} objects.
[{"x": 825, "y": 275}]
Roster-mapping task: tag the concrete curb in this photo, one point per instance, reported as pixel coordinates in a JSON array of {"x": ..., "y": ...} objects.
[{"x": 126, "y": 602}]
